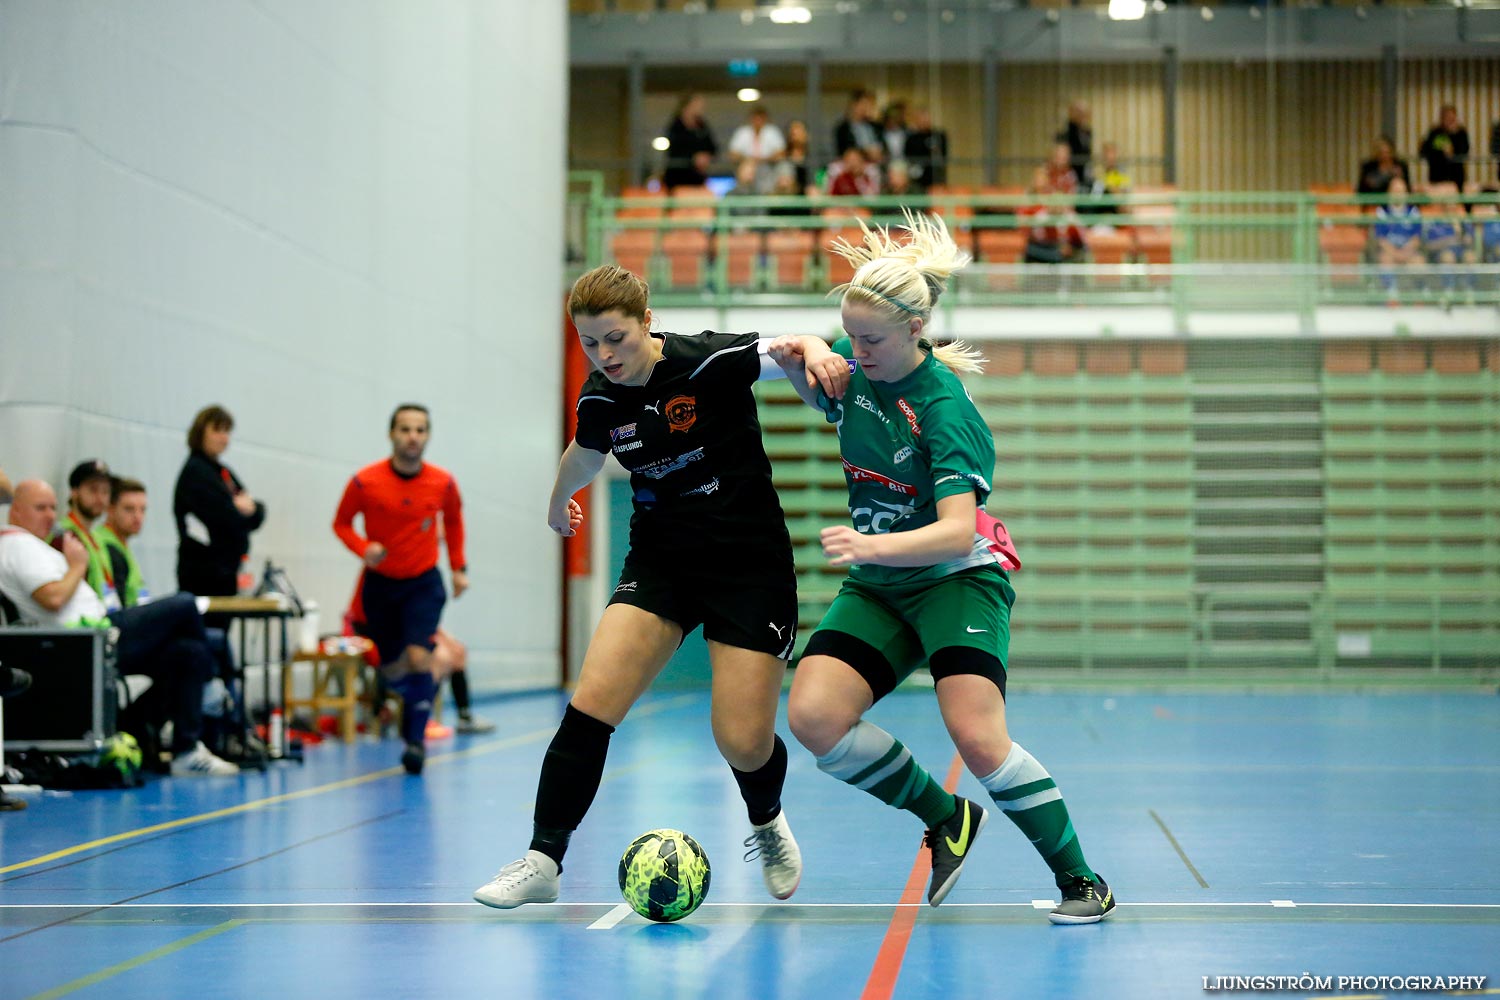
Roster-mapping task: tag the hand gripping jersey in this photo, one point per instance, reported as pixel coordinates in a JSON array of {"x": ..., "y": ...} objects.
[
  {"x": 690, "y": 438},
  {"x": 906, "y": 445}
]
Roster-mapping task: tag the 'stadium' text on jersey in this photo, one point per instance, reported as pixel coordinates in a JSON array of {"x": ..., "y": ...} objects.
[{"x": 690, "y": 438}]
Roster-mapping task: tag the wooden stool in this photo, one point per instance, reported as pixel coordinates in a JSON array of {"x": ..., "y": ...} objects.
[{"x": 345, "y": 667}]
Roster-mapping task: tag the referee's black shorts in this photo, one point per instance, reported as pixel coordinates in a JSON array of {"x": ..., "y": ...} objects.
[
  {"x": 401, "y": 613},
  {"x": 739, "y": 603}
]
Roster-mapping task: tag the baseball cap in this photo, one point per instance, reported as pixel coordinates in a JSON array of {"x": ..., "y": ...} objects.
[{"x": 84, "y": 471}]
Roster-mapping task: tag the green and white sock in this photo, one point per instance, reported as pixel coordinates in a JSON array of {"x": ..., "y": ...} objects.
[
  {"x": 872, "y": 760},
  {"x": 1026, "y": 793}
]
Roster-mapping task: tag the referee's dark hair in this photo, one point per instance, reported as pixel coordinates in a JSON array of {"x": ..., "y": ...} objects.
[
  {"x": 606, "y": 288},
  {"x": 411, "y": 406}
]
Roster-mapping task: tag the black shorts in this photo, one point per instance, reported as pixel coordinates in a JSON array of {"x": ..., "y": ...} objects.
[
  {"x": 749, "y": 607},
  {"x": 401, "y": 613}
]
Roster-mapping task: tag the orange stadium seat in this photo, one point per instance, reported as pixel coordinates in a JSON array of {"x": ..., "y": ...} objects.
[
  {"x": 1108, "y": 248},
  {"x": 632, "y": 250},
  {"x": 1343, "y": 246},
  {"x": 1001, "y": 246},
  {"x": 741, "y": 253},
  {"x": 790, "y": 252},
  {"x": 686, "y": 251}
]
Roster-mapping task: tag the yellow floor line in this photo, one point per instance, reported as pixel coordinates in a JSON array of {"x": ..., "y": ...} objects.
[
  {"x": 134, "y": 963},
  {"x": 362, "y": 779},
  {"x": 245, "y": 807}
]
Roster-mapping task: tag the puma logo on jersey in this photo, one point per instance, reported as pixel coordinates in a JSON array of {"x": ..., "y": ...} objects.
[{"x": 653, "y": 407}]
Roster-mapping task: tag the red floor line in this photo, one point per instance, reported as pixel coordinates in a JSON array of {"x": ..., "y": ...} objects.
[{"x": 882, "y": 981}]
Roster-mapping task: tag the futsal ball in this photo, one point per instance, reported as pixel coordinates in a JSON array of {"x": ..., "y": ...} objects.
[
  {"x": 664, "y": 875},
  {"x": 122, "y": 754}
]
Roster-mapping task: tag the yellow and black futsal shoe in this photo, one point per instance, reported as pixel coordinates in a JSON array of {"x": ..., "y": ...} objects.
[
  {"x": 1084, "y": 901},
  {"x": 950, "y": 845}
]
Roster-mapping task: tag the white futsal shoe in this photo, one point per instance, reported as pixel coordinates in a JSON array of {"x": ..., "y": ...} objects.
[
  {"x": 780, "y": 858},
  {"x": 532, "y": 879}
]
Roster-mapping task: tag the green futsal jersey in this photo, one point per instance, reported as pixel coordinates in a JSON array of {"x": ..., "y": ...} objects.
[{"x": 906, "y": 445}]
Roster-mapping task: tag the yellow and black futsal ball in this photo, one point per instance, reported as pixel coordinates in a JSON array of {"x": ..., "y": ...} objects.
[{"x": 664, "y": 875}]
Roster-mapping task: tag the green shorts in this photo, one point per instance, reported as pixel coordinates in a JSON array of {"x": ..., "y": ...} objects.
[{"x": 969, "y": 610}]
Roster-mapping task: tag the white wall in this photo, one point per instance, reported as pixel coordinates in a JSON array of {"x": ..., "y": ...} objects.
[{"x": 307, "y": 211}]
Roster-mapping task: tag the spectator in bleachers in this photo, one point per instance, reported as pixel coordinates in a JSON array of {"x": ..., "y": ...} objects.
[
  {"x": 1110, "y": 180},
  {"x": 1398, "y": 235},
  {"x": 163, "y": 640},
  {"x": 1061, "y": 177},
  {"x": 5, "y": 488},
  {"x": 893, "y": 131},
  {"x": 1383, "y": 166},
  {"x": 853, "y": 174},
  {"x": 798, "y": 153},
  {"x": 858, "y": 128},
  {"x": 215, "y": 513},
  {"x": 1486, "y": 227},
  {"x": 1446, "y": 238},
  {"x": 1054, "y": 236},
  {"x": 1078, "y": 136},
  {"x": 691, "y": 147},
  {"x": 897, "y": 179},
  {"x": 759, "y": 143},
  {"x": 926, "y": 151},
  {"x": 786, "y": 186},
  {"x": 1445, "y": 149},
  {"x": 88, "y": 496}
]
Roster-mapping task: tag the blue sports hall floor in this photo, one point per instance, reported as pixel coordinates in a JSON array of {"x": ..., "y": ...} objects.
[{"x": 1326, "y": 834}]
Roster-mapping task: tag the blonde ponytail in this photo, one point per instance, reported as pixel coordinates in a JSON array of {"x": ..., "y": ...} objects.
[{"x": 902, "y": 277}]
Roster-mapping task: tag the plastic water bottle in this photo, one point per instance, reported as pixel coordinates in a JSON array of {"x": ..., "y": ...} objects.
[
  {"x": 245, "y": 580},
  {"x": 276, "y": 733}
]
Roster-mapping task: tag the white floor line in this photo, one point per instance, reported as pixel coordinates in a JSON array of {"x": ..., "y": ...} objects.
[
  {"x": 610, "y": 919},
  {"x": 1033, "y": 904}
]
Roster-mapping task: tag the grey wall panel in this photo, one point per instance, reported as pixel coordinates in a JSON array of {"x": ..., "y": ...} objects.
[{"x": 307, "y": 212}]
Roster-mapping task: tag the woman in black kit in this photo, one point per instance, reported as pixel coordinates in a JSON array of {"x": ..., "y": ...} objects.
[{"x": 708, "y": 545}]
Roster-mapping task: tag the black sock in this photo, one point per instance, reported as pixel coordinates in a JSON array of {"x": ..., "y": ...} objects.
[
  {"x": 571, "y": 772},
  {"x": 459, "y": 682},
  {"x": 761, "y": 788}
]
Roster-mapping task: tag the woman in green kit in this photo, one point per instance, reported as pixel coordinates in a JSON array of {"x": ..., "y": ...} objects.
[{"x": 926, "y": 582}]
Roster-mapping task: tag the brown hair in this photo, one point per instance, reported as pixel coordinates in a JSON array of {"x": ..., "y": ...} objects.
[
  {"x": 214, "y": 416},
  {"x": 608, "y": 288},
  {"x": 120, "y": 485}
]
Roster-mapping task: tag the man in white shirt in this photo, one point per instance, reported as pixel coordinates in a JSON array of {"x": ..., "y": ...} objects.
[
  {"x": 163, "y": 640},
  {"x": 760, "y": 143}
]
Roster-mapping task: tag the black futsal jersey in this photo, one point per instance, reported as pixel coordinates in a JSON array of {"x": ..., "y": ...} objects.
[{"x": 690, "y": 438}]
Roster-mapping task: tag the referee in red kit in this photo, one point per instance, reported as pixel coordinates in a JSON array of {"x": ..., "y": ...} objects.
[{"x": 401, "y": 499}]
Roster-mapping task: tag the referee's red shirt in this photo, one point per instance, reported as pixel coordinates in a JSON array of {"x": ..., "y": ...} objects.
[{"x": 401, "y": 513}]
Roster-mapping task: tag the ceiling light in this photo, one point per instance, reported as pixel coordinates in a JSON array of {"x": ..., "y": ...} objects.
[
  {"x": 661, "y": 144},
  {"x": 791, "y": 15},
  {"x": 748, "y": 94},
  {"x": 1127, "y": 10}
]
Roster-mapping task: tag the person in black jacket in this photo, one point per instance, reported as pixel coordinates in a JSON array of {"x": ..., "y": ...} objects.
[
  {"x": 1446, "y": 148},
  {"x": 215, "y": 513},
  {"x": 691, "y": 147}
]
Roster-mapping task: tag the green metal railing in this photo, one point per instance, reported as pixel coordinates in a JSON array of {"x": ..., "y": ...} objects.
[{"x": 1244, "y": 251}]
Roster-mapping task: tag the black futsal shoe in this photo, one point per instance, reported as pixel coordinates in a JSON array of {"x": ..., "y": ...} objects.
[
  {"x": 950, "y": 843},
  {"x": 1084, "y": 901}
]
